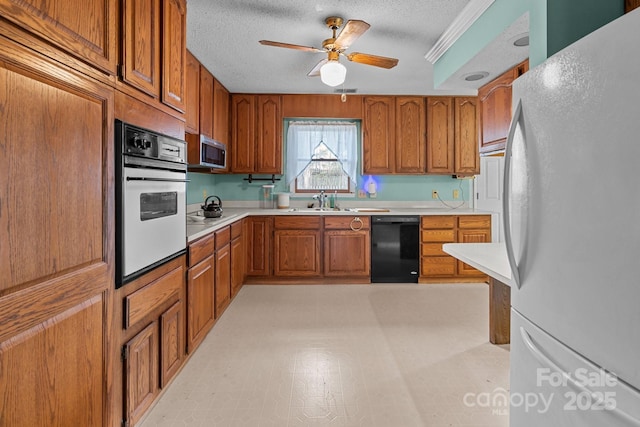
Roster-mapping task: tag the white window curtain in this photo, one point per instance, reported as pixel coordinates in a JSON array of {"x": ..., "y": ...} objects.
[{"x": 303, "y": 137}]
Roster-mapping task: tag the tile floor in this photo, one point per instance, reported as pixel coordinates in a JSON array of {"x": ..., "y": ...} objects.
[{"x": 355, "y": 355}]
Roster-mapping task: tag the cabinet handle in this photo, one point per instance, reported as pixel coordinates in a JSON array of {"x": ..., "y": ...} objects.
[{"x": 355, "y": 220}]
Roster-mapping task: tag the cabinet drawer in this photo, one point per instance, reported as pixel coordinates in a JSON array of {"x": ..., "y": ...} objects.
[
  {"x": 474, "y": 221},
  {"x": 223, "y": 236},
  {"x": 347, "y": 222},
  {"x": 311, "y": 222},
  {"x": 437, "y": 266},
  {"x": 433, "y": 236},
  {"x": 201, "y": 248},
  {"x": 433, "y": 249},
  {"x": 236, "y": 229},
  {"x": 146, "y": 299},
  {"x": 438, "y": 221}
]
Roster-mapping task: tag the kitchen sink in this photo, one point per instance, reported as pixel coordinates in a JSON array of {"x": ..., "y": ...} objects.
[{"x": 316, "y": 209}]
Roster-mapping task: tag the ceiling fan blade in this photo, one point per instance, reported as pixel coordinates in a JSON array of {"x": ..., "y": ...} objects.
[
  {"x": 351, "y": 32},
  {"x": 316, "y": 70},
  {"x": 377, "y": 61},
  {"x": 290, "y": 46}
]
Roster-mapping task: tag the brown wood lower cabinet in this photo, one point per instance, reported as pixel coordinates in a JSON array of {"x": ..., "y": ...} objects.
[
  {"x": 216, "y": 273},
  {"x": 141, "y": 372},
  {"x": 172, "y": 342},
  {"x": 258, "y": 234},
  {"x": 347, "y": 246},
  {"x": 438, "y": 266},
  {"x": 296, "y": 246},
  {"x": 238, "y": 257},
  {"x": 223, "y": 270},
  {"x": 309, "y": 249},
  {"x": 152, "y": 337},
  {"x": 201, "y": 301}
]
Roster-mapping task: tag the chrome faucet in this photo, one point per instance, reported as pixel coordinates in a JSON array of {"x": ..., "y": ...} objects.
[{"x": 322, "y": 199}]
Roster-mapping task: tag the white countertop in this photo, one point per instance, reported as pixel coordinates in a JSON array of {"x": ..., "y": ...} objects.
[
  {"x": 195, "y": 230},
  {"x": 490, "y": 258}
]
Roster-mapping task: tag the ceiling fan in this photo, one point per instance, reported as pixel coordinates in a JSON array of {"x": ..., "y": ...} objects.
[{"x": 330, "y": 70}]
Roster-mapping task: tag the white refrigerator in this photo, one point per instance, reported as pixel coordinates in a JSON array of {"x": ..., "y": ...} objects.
[{"x": 572, "y": 231}]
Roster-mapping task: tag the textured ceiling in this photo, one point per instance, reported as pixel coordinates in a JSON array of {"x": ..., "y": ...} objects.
[{"x": 224, "y": 35}]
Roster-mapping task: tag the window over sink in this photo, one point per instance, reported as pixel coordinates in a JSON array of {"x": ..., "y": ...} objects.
[{"x": 322, "y": 155}]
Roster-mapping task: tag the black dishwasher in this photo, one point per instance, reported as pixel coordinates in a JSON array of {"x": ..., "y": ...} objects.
[{"x": 395, "y": 252}]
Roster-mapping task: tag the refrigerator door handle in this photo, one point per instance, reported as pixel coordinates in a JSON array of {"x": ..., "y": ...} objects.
[
  {"x": 597, "y": 397},
  {"x": 515, "y": 276}
]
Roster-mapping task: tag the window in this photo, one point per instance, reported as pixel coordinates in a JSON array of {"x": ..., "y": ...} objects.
[
  {"x": 322, "y": 156},
  {"x": 324, "y": 172}
]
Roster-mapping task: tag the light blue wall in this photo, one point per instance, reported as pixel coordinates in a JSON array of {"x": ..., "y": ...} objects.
[
  {"x": 554, "y": 24},
  {"x": 389, "y": 187}
]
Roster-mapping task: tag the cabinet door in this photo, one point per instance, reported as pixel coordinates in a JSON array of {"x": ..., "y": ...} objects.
[
  {"x": 223, "y": 279},
  {"x": 238, "y": 263},
  {"x": 495, "y": 102},
  {"x": 440, "y": 135},
  {"x": 347, "y": 253},
  {"x": 472, "y": 236},
  {"x": 86, "y": 29},
  {"x": 378, "y": 143},
  {"x": 192, "y": 95},
  {"x": 220, "y": 112},
  {"x": 206, "y": 102},
  {"x": 467, "y": 117},
  {"x": 411, "y": 147},
  {"x": 141, "y": 372},
  {"x": 57, "y": 284},
  {"x": 268, "y": 156},
  {"x": 296, "y": 253},
  {"x": 258, "y": 235},
  {"x": 174, "y": 50},
  {"x": 243, "y": 133},
  {"x": 172, "y": 342},
  {"x": 200, "y": 301},
  {"x": 141, "y": 45}
]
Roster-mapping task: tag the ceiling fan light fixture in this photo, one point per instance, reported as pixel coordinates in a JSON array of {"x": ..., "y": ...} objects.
[{"x": 333, "y": 73}]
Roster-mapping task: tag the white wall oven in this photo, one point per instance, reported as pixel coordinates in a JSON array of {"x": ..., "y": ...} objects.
[{"x": 150, "y": 203}]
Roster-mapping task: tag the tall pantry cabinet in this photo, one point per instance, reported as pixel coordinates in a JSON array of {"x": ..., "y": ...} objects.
[
  {"x": 56, "y": 323},
  {"x": 67, "y": 69}
]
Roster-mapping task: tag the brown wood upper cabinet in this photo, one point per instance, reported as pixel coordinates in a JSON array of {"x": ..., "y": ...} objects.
[
  {"x": 87, "y": 30},
  {"x": 192, "y": 95},
  {"x": 221, "y": 100},
  {"x": 379, "y": 124},
  {"x": 154, "y": 49},
  {"x": 256, "y": 143},
  {"x": 394, "y": 135},
  {"x": 495, "y": 109},
  {"x": 440, "y": 135},
  {"x": 206, "y": 102},
  {"x": 452, "y": 135},
  {"x": 411, "y": 136}
]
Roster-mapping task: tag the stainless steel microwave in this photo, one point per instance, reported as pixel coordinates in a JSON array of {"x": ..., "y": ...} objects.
[{"x": 212, "y": 154}]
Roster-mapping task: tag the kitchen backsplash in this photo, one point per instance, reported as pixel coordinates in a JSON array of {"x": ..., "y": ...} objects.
[{"x": 390, "y": 188}]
